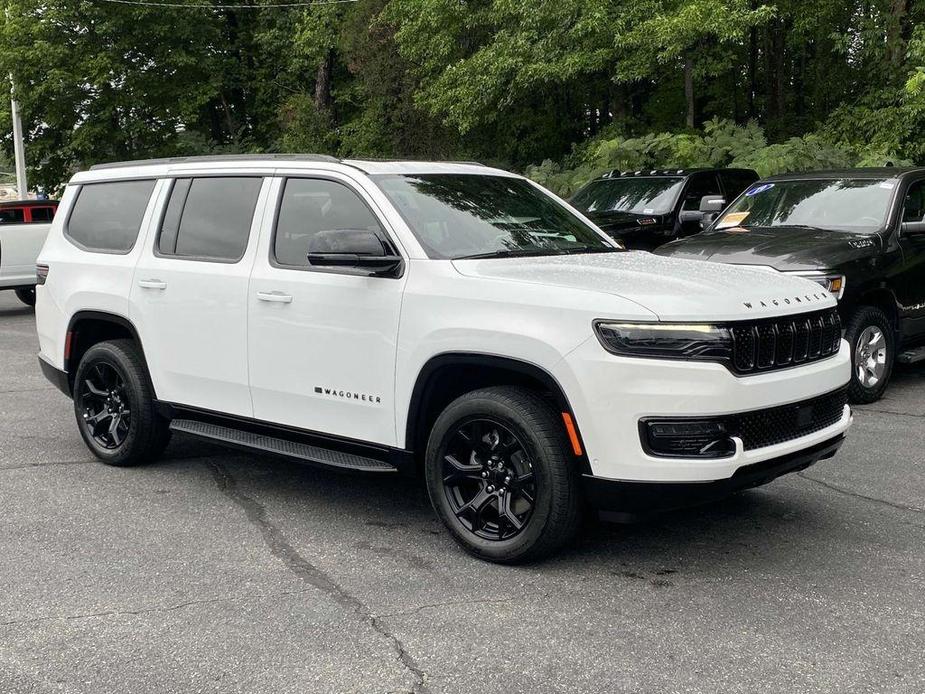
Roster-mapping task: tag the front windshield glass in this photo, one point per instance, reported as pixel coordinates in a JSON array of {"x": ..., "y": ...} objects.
[
  {"x": 856, "y": 205},
  {"x": 470, "y": 215},
  {"x": 636, "y": 195}
]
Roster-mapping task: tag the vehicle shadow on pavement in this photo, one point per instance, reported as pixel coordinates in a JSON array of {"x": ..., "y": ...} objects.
[{"x": 762, "y": 530}]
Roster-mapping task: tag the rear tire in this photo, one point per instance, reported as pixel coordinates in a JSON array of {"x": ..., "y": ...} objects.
[
  {"x": 502, "y": 477},
  {"x": 871, "y": 339},
  {"x": 114, "y": 405},
  {"x": 26, "y": 295}
]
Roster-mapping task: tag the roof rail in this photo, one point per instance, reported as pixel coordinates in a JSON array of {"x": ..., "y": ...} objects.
[{"x": 218, "y": 158}]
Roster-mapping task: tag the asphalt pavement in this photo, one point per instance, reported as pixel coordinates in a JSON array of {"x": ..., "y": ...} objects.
[{"x": 213, "y": 571}]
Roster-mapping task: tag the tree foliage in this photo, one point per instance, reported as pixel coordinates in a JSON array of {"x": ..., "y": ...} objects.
[{"x": 580, "y": 85}]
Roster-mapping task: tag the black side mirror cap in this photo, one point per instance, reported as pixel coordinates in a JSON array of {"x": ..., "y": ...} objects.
[
  {"x": 352, "y": 248},
  {"x": 381, "y": 264}
]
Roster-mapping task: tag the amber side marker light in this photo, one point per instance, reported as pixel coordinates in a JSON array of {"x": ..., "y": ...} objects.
[{"x": 572, "y": 433}]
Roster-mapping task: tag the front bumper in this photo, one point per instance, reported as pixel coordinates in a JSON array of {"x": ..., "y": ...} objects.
[
  {"x": 610, "y": 395},
  {"x": 626, "y": 501}
]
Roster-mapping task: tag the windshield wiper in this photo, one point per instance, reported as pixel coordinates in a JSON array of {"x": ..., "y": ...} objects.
[
  {"x": 511, "y": 253},
  {"x": 592, "y": 249},
  {"x": 525, "y": 253}
]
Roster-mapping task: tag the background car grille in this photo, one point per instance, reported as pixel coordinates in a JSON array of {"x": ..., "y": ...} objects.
[
  {"x": 787, "y": 422},
  {"x": 781, "y": 342}
]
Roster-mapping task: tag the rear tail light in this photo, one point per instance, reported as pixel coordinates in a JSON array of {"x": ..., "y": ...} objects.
[{"x": 41, "y": 274}]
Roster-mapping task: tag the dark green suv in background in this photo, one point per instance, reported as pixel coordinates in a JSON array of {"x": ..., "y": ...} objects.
[{"x": 645, "y": 209}]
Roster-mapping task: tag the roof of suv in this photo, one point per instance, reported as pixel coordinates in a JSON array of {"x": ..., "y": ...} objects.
[
  {"x": 369, "y": 166},
  {"x": 868, "y": 172}
]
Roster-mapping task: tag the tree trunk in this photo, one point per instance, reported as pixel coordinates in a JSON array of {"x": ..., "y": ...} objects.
[
  {"x": 689, "y": 89},
  {"x": 897, "y": 32},
  {"x": 752, "y": 69},
  {"x": 323, "y": 82}
]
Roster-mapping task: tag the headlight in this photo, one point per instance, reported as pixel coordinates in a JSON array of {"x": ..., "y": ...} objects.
[
  {"x": 666, "y": 340},
  {"x": 832, "y": 282}
]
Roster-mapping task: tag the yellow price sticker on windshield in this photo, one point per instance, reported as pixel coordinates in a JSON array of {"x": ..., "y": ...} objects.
[{"x": 732, "y": 219}]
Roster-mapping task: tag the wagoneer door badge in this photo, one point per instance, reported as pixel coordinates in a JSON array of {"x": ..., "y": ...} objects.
[{"x": 348, "y": 395}]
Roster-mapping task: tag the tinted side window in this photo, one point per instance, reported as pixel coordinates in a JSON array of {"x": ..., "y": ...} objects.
[
  {"x": 43, "y": 214},
  {"x": 700, "y": 185},
  {"x": 914, "y": 204},
  {"x": 310, "y": 206},
  {"x": 209, "y": 218},
  {"x": 107, "y": 216},
  {"x": 735, "y": 182},
  {"x": 12, "y": 215}
]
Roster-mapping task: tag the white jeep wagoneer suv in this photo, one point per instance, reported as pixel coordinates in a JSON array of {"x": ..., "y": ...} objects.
[{"x": 446, "y": 318}]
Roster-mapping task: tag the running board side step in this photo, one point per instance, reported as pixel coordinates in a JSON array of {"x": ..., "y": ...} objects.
[
  {"x": 911, "y": 356},
  {"x": 276, "y": 446}
]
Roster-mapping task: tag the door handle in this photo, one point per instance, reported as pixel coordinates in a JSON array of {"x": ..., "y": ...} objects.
[
  {"x": 275, "y": 297},
  {"x": 152, "y": 284}
]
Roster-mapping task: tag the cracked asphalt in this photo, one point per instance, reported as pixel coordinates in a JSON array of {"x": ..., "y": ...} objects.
[{"x": 213, "y": 571}]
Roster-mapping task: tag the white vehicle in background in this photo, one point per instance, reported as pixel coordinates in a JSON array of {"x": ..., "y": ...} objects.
[
  {"x": 445, "y": 319},
  {"x": 24, "y": 225}
]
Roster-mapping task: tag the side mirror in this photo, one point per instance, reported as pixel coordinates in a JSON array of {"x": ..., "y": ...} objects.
[
  {"x": 712, "y": 203},
  {"x": 690, "y": 216},
  {"x": 913, "y": 228},
  {"x": 353, "y": 248}
]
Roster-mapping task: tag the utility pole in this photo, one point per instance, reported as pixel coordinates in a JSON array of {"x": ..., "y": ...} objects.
[{"x": 19, "y": 150}]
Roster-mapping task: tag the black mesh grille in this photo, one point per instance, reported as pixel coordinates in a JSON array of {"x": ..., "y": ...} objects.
[
  {"x": 692, "y": 437},
  {"x": 781, "y": 342},
  {"x": 779, "y": 424}
]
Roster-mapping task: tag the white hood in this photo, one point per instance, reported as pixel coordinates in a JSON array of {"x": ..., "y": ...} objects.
[{"x": 675, "y": 290}]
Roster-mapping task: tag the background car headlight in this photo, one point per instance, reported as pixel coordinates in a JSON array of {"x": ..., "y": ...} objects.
[
  {"x": 694, "y": 341},
  {"x": 833, "y": 282}
]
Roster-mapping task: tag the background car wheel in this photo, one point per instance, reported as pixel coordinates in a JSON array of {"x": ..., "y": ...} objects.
[
  {"x": 114, "y": 405},
  {"x": 26, "y": 295},
  {"x": 501, "y": 475},
  {"x": 870, "y": 335}
]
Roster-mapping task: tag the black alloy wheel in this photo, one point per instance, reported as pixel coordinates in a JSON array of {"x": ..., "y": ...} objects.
[
  {"x": 115, "y": 405},
  {"x": 488, "y": 479},
  {"x": 502, "y": 475},
  {"x": 102, "y": 398}
]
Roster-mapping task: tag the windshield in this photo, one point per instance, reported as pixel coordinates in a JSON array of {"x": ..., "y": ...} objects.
[
  {"x": 857, "y": 205},
  {"x": 635, "y": 195},
  {"x": 470, "y": 215}
]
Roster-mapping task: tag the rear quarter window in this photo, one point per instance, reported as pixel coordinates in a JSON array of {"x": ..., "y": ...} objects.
[{"x": 106, "y": 217}]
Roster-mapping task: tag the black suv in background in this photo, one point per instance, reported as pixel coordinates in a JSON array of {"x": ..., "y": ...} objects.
[
  {"x": 645, "y": 209},
  {"x": 860, "y": 233}
]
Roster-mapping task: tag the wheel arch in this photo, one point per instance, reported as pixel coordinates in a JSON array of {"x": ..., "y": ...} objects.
[
  {"x": 880, "y": 297},
  {"x": 445, "y": 377},
  {"x": 87, "y": 328}
]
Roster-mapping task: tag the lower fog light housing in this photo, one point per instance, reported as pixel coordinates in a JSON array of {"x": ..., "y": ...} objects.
[{"x": 667, "y": 438}]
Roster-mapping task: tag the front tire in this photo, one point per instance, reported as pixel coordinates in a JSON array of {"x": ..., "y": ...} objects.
[
  {"x": 870, "y": 336},
  {"x": 26, "y": 295},
  {"x": 114, "y": 405},
  {"x": 501, "y": 475}
]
